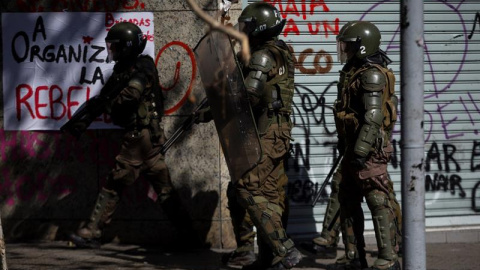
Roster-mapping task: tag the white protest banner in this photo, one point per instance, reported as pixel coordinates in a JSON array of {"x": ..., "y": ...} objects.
[{"x": 54, "y": 61}]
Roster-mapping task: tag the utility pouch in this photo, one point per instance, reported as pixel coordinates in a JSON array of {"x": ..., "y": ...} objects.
[
  {"x": 142, "y": 114},
  {"x": 156, "y": 132},
  {"x": 351, "y": 123}
]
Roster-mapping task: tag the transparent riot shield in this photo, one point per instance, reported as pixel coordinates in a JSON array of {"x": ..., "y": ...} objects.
[{"x": 223, "y": 82}]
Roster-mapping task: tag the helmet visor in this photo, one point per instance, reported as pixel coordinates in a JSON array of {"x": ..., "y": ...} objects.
[
  {"x": 342, "y": 55},
  {"x": 346, "y": 50},
  {"x": 112, "y": 52},
  {"x": 246, "y": 27}
]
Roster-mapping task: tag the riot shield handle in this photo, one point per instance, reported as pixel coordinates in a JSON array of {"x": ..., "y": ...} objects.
[{"x": 327, "y": 179}]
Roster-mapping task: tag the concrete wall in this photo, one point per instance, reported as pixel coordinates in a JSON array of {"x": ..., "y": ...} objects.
[{"x": 49, "y": 181}]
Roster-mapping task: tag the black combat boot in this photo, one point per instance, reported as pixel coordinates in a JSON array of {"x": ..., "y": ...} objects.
[
  {"x": 89, "y": 235},
  {"x": 343, "y": 263},
  {"x": 390, "y": 266},
  {"x": 292, "y": 258},
  {"x": 325, "y": 246},
  {"x": 241, "y": 256}
]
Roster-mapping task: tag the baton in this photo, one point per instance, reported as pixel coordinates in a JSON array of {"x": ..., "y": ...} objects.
[
  {"x": 186, "y": 125},
  {"x": 327, "y": 179}
]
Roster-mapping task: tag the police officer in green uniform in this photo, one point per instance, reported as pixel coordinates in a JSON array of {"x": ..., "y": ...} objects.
[
  {"x": 365, "y": 110},
  {"x": 138, "y": 109},
  {"x": 269, "y": 80},
  {"x": 326, "y": 244}
]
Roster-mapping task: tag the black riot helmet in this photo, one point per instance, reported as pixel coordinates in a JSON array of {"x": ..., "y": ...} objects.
[
  {"x": 261, "y": 20},
  {"x": 124, "y": 40},
  {"x": 358, "y": 39}
]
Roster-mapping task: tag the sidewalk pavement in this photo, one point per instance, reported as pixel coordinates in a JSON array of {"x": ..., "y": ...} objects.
[{"x": 60, "y": 255}]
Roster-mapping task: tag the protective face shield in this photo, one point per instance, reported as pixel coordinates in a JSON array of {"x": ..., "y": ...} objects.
[
  {"x": 341, "y": 53},
  {"x": 346, "y": 50},
  {"x": 112, "y": 52},
  {"x": 246, "y": 27}
]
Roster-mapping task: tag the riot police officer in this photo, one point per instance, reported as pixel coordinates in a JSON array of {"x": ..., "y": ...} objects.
[
  {"x": 137, "y": 107},
  {"x": 365, "y": 112},
  {"x": 326, "y": 244},
  {"x": 269, "y": 80}
]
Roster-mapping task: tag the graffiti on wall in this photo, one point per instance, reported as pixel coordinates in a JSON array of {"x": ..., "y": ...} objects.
[
  {"x": 174, "y": 83},
  {"x": 296, "y": 12},
  {"x": 447, "y": 175},
  {"x": 24, "y": 154},
  {"x": 322, "y": 62}
]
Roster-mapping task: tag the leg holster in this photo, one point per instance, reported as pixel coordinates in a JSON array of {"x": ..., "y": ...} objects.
[{"x": 105, "y": 205}]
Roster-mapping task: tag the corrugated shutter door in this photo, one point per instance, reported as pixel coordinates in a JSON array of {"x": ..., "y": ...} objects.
[{"x": 452, "y": 76}]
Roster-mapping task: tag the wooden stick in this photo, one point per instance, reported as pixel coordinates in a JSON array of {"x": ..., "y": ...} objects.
[
  {"x": 215, "y": 25},
  {"x": 3, "y": 262}
]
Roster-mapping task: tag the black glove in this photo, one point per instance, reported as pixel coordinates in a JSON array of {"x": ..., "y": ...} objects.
[
  {"x": 340, "y": 146},
  {"x": 76, "y": 128},
  {"x": 203, "y": 116},
  {"x": 359, "y": 162}
]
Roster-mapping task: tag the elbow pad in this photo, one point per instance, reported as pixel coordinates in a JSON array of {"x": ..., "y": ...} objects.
[
  {"x": 255, "y": 83},
  {"x": 373, "y": 80},
  {"x": 138, "y": 82},
  {"x": 373, "y": 119},
  {"x": 259, "y": 67}
]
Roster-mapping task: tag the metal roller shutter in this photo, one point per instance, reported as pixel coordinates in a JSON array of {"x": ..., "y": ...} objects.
[{"x": 452, "y": 76}]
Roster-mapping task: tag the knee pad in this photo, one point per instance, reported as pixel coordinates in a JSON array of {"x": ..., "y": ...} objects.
[
  {"x": 377, "y": 200},
  {"x": 383, "y": 220},
  {"x": 336, "y": 179},
  {"x": 266, "y": 216}
]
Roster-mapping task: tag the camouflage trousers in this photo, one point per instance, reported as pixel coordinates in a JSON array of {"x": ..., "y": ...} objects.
[
  {"x": 243, "y": 227},
  {"x": 259, "y": 194}
]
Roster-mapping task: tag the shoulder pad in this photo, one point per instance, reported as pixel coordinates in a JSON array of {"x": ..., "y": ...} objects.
[
  {"x": 261, "y": 60},
  {"x": 280, "y": 43},
  {"x": 138, "y": 82},
  {"x": 373, "y": 79},
  {"x": 145, "y": 64}
]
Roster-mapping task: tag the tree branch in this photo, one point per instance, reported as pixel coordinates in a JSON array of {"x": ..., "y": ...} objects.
[{"x": 215, "y": 25}]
